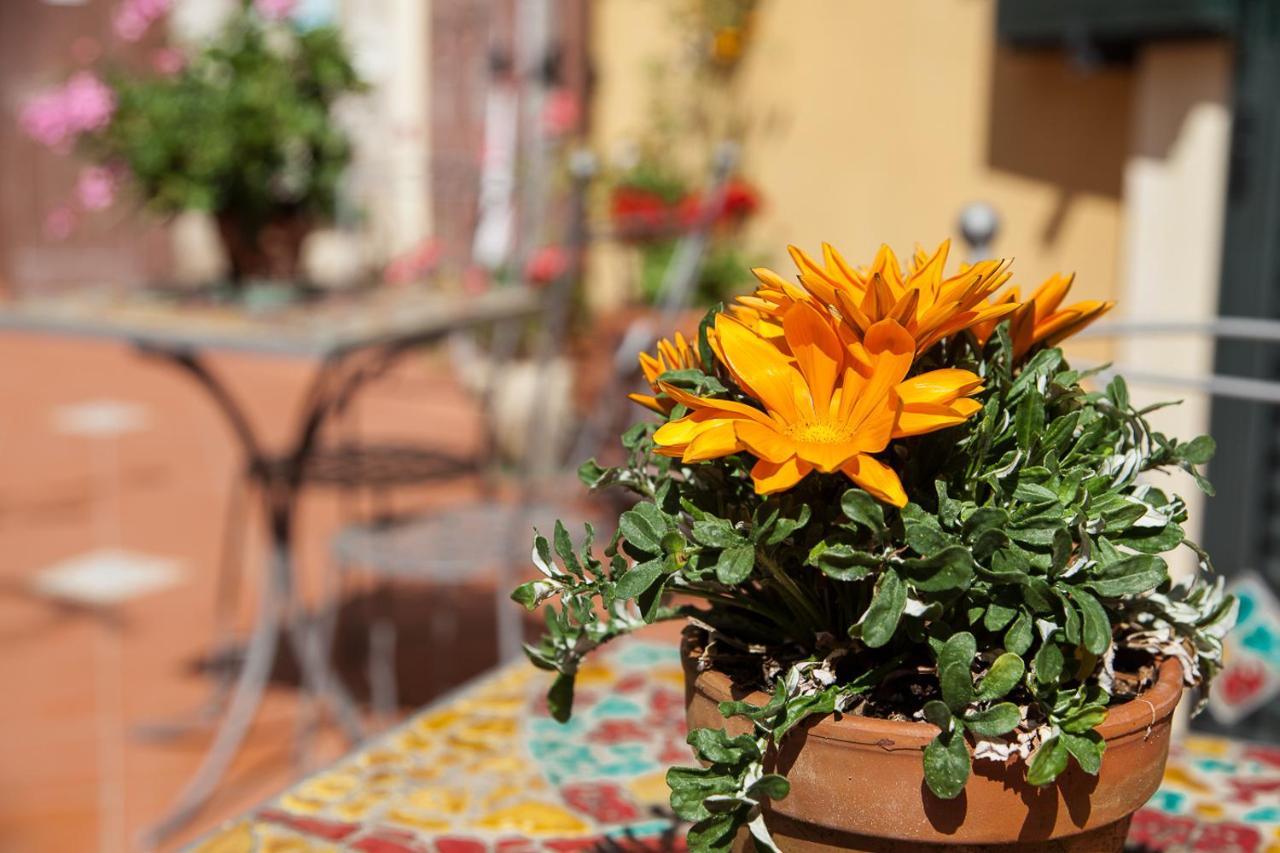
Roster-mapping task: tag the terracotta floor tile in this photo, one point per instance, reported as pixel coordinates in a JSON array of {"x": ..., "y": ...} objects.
[{"x": 172, "y": 487}]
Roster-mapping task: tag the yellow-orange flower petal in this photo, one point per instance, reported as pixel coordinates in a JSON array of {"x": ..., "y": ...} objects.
[
  {"x": 1039, "y": 320},
  {"x": 675, "y": 354},
  {"x": 877, "y": 479},
  {"x": 924, "y": 301}
]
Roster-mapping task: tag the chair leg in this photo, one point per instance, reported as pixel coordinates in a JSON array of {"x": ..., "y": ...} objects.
[
  {"x": 383, "y": 686},
  {"x": 225, "y": 645}
]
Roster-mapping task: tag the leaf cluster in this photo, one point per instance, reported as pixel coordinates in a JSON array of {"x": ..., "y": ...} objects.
[
  {"x": 1029, "y": 556},
  {"x": 246, "y": 127}
]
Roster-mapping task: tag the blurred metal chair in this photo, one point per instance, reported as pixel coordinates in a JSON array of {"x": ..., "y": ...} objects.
[{"x": 449, "y": 546}]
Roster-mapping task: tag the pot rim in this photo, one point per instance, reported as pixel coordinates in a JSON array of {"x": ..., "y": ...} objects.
[{"x": 1129, "y": 718}]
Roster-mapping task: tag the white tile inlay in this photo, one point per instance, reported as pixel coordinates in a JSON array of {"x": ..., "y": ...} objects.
[{"x": 106, "y": 577}]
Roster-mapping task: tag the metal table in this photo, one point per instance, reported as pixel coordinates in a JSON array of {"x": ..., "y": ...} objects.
[
  {"x": 486, "y": 770},
  {"x": 352, "y": 340}
]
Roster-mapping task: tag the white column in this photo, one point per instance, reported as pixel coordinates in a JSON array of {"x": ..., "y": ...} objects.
[{"x": 1174, "y": 197}]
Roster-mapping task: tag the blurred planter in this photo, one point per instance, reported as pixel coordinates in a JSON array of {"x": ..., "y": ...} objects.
[
  {"x": 268, "y": 252},
  {"x": 857, "y": 783}
]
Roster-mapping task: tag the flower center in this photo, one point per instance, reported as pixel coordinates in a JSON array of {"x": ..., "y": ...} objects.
[{"x": 819, "y": 432}]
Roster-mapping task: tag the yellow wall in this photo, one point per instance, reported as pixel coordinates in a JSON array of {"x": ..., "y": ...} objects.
[{"x": 877, "y": 120}]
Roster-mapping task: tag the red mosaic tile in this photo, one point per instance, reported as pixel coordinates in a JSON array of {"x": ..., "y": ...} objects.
[
  {"x": 330, "y": 830},
  {"x": 603, "y": 801}
]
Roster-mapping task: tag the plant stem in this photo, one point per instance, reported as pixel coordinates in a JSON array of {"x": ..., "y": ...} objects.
[{"x": 791, "y": 590}]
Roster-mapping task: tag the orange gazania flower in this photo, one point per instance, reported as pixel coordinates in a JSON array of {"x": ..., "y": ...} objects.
[
  {"x": 675, "y": 354},
  {"x": 1039, "y": 320},
  {"x": 826, "y": 406},
  {"x": 923, "y": 301}
]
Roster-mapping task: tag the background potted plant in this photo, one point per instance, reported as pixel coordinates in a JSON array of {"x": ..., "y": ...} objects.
[
  {"x": 242, "y": 128},
  {"x": 919, "y": 560}
]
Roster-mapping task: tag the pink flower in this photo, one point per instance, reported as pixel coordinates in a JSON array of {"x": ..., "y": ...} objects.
[
  {"x": 415, "y": 264},
  {"x": 96, "y": 188},
  {"x": 44, "y": 119},
  {"x": 560, "y": 112},
  {"x": 275, "y": 10},
  {"x": 56, "y": 117},
  {"x": 546, "y": 265},
  {"x": 59, "y": 224},
  {"x": 168, "y": 61},
  {"x": 134, "y": 17},
  {"x": 88, "y": 102}
]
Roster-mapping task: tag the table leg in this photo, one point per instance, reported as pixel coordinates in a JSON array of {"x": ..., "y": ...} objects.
[{"x": 245, "y": 700}]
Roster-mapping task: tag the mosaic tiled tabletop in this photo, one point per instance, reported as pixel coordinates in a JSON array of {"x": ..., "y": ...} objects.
[{"x": 488, "y": 771}]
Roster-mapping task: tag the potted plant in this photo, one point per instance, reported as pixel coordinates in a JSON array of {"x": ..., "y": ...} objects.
[
  {"x": 919, "y": 562},
  {"x": 241, "y": 129}
]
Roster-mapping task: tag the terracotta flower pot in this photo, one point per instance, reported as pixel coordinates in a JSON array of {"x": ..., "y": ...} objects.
[
  {"x": 857, "y": 783},
  {"x": 270, "y": 252}
]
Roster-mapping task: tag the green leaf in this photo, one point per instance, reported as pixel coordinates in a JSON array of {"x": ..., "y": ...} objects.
[
  {"x": 693, "y": 379},
  {"x": 1029, "y": 419},
  {"x": 886, "y": 608},
  {"x": 994, "y": 721},
  {"x": 1086, "y": 750},
  {"x": 860, "y": 507},
  {"x": 772, "y": 785},
  {"x": 717, "y": 747},
  {"x": 691, "y": 785},
  {"x": 948, "y": 507},
  {"x": 1152, "y": 540},
  {"x": 564, "y": 547},
  {"x": 1048, "y": 663},
  {"x": 590, "y": 473},
  {"x": 955, "y": 664},
  {"x": 638, "y": 579},
  {"x": 1047, "y": 762},
  {"x": 998, "y": 616},
  {"x": 946, "y": 764},
  {"x": 1130, "y": 576},
  {"x": 939, "y": 714},
  {"x": 643, "y": 527},
  {"x": 1118, "y": 392},
  {"x": 1033, "y": 494},
  {"x": 716, "y": 533},
  {"x": 735, "y": 564},
  {"x": 1096, "y": 626},
  {"x": 1003, "y": 676},
  {"x": 786, "y": 526},
  {"x": 842, "y": 562},
  {"x": 560, "y": 697},
  {"x": 1018, "y": 638},
  {"x": 530, "y": 594},
  {"x": 714, "y": 833},
  {"x": 1084, "y": 720},
  {"x": 985, "y": 518},
  {"x": 1199, "y": 450},
  {"x": 950, "y": 568},
  {"x": 923, "y": 534}
]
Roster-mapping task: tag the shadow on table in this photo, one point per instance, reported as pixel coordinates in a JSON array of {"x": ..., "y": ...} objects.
[{"x": 446, "y": 635}]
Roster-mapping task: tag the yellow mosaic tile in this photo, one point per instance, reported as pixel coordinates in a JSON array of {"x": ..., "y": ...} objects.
[
  {"x": 651, "y": 789},
  {"x": 279, "y": 843},
  {"x": 330, "y": 786},
  {"x": 1206, "y": 747},
  {"x": 358, "y": 807},
  {"x": 594, "y": 674},
  {"x": 442, "y": 800},
  {"x": 1181, "y": 778},
  {"x": 534, "y": 818},
  {"x": 419, "y": 822},
  {"x": 301, "y": 805},
  {"x": 1209, "y": 811},
  {"x": 234, "y": 839}
]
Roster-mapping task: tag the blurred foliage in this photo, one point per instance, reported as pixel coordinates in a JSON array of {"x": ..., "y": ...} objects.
[
  {"x": 245, "y": 129},
  {"x": 721, "y": 276}
]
